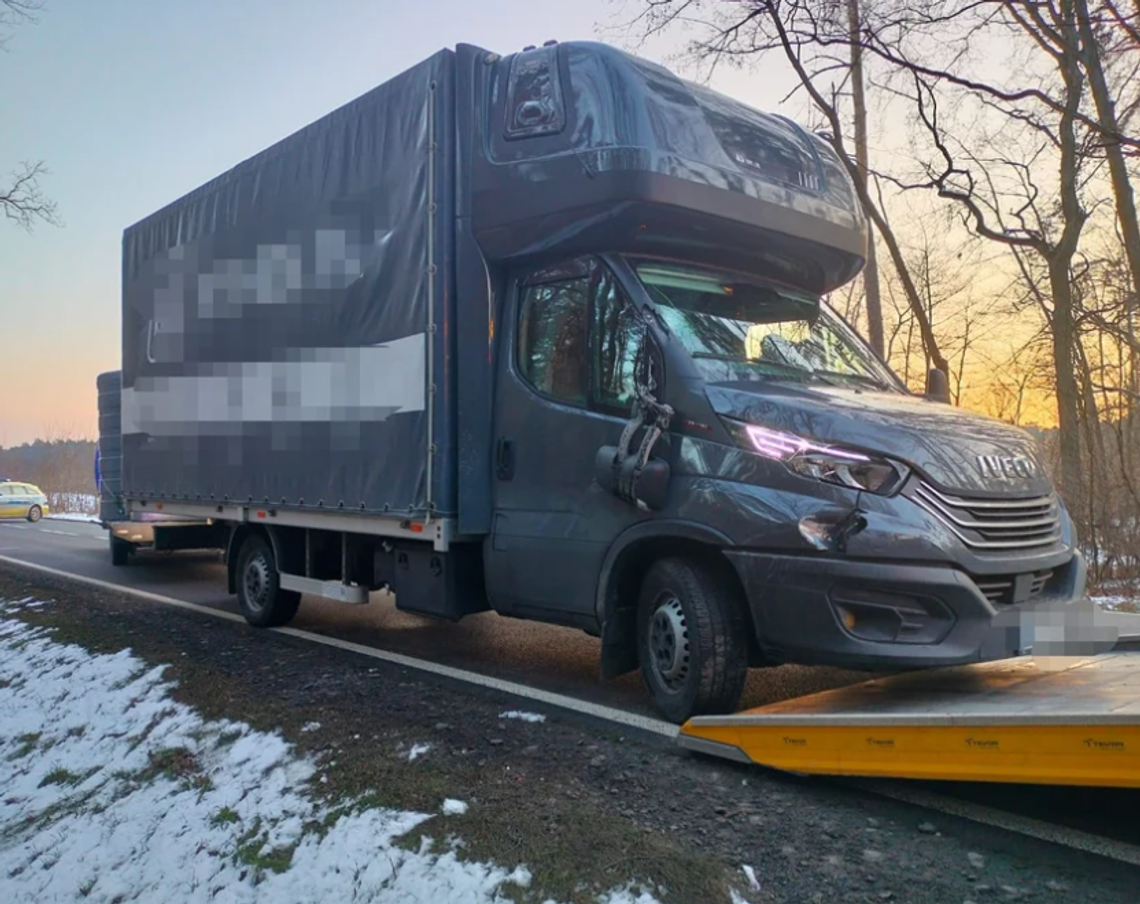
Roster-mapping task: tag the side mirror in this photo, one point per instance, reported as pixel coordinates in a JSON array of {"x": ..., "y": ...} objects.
[
  {"x": 938, "y": 386},
  {"x": 652, "y": 487}
]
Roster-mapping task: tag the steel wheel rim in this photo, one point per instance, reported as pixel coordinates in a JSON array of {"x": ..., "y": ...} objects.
[
  {"x": 669, "y": 643},
  {"x": 256, "y": 582}
]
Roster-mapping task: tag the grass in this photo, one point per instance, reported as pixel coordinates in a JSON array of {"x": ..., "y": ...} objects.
[
  {"x": 565, "y": 833},
  {"x": 60, "y": 776},
  {"x": 575, "y": 852},
  {"x": 574, "y": 848},
  {"x": 177, "y": 764},
  {"x": 224, "y": 817},
  {"x": 27, "y": 746},
  {"x": 251, "y": 852}
]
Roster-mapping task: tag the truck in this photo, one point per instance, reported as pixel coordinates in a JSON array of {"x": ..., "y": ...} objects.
[{"x": 547, "y": 334}]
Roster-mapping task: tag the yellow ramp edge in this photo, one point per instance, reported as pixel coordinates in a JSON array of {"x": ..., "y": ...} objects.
[{"x": 1063, "y": 721}]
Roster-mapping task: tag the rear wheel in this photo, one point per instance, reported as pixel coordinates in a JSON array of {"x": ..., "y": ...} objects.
[
  {"x": 120, "y": 551},
  {"x": 35, "y": 513},
  {"x": 263, "y": 602},
  {"x": 692, "y": 640}
]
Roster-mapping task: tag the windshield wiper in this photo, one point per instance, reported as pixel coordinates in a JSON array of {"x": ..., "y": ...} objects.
[
  {"x": 824, "y": 376},
  {"x": 861, "y": 378},
  {"x": 753, "y": 362}
]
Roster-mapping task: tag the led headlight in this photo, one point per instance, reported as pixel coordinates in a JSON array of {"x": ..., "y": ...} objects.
[{"x": 831, "y": 464}]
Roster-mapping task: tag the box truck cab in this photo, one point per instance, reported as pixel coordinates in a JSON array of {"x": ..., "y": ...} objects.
[{"x": 592, "y": 379}]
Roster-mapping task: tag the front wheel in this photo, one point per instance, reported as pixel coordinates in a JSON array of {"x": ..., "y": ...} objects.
[
  {"x": 35, "y": 513},
  {"x": 692, "y": 640},
  {"x": 263, "y": 602}
]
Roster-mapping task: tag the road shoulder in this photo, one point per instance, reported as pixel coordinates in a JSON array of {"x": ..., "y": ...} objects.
[{"x": 584, "y": 805}]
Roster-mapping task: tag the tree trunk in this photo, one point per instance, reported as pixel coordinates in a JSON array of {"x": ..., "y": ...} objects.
[
  {"x": 871, "y": 286},
  {"x": 1117, "y": 167},
  {"x": 859, "y": 177},
  {"x": 1068, "y": 392},
  {"x": 1065, "y": 336}
]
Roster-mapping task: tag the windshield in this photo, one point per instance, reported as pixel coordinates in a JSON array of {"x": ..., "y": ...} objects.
[{"x": 744, "y": 330}]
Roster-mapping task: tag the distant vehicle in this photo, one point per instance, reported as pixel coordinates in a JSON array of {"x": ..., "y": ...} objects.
[{"x": 22, "y": 500}]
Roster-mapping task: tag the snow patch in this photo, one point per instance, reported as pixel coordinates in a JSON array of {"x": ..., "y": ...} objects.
[
  {"x": 85, "y": 517},
  {"x": 1117, "y": 602},
  {"x": 752, "y": 880},
  {"x": 522, "y": 716},
  {"x": 114, "y": 791},
  {"x": 521, "y": 877},
  {"x": 310, "y": 726},
  {"x": 417, "y": 751}
]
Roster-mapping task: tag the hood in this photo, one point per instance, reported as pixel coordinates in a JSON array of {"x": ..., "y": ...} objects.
[{"x": 955, "y": 450}]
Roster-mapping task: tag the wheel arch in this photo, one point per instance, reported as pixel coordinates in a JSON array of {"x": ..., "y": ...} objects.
[
  {"x": 623, "y": 568},
  {"x": 238, "y": 536}
]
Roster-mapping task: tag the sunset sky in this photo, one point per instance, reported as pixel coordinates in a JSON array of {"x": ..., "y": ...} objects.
[{"x": 132, "y": 103}]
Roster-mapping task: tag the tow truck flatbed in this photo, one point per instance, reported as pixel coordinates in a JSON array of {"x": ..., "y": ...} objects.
[{"x": 1031, "y": 720}]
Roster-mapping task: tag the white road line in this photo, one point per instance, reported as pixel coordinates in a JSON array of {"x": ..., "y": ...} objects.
[
  {"x": 1010, "y": 822},
  {"x": 14, "y": 526},
  {"x": 609, "y": 713}
]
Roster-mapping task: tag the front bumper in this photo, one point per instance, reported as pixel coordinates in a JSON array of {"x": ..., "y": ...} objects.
[{"x": 882, "y": 616}]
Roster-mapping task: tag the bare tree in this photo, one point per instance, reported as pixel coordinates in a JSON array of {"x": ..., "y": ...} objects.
[
  {"x": 747, "y": 30},
  {"x": 1094, "y": 38},
  {"x": 17, "y": 12},
  {"x": 943, "y": 267},
  {"x": 22, "y": 199},
  {"x": 871, "y": 284}
]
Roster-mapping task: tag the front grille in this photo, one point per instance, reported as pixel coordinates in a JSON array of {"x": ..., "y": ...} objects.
[
  {"x": 994, "y": 525},
  {"x": 1000, "y": 590}
]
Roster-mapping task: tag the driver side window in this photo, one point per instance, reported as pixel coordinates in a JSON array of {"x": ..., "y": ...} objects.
[
  {"x": 553, "y": 334},
  {"x": 579, "y": 336}
]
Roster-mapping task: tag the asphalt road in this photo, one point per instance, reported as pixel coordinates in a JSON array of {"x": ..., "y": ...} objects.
[{"x": 562, "y": 660}]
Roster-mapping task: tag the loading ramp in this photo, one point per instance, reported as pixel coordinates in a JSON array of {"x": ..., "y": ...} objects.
[{"x": 1030, "y": 720}]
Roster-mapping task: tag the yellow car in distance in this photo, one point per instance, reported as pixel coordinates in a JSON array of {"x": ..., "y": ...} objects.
[{"x": 22, "y": 500}]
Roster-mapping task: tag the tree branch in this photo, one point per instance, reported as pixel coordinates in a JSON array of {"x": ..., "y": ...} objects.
[{"x": 23, "y": 201}]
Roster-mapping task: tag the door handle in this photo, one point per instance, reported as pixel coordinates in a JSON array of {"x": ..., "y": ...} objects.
[{"x": 505, "y": 459}]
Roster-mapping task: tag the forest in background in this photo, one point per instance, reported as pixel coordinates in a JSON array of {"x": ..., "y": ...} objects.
[{"x": 63, "y": 468}]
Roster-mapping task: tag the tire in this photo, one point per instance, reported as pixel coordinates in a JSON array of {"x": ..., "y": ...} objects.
[
  {"x": 35, "y": 513},
  {"x": 263, "y": 603},
  {"x": 692, "y": 640},
  {"x": 120, "y": 552}
]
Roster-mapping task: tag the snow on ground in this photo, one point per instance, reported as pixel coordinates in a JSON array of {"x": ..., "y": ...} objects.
[
  {"x": 1116, "y": 603},
  {"x": 74, "y": 516},
  {"x": 525, "y": 717},
  {"x": 417, "y": 751},
  {"x": 73, "y": 506},
  {"x": 115, "y": 793}
]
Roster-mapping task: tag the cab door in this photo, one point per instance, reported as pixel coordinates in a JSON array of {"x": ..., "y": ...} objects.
[
  {"x": 21, "y": 500},
  {"x": 564, "y": 389}
]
